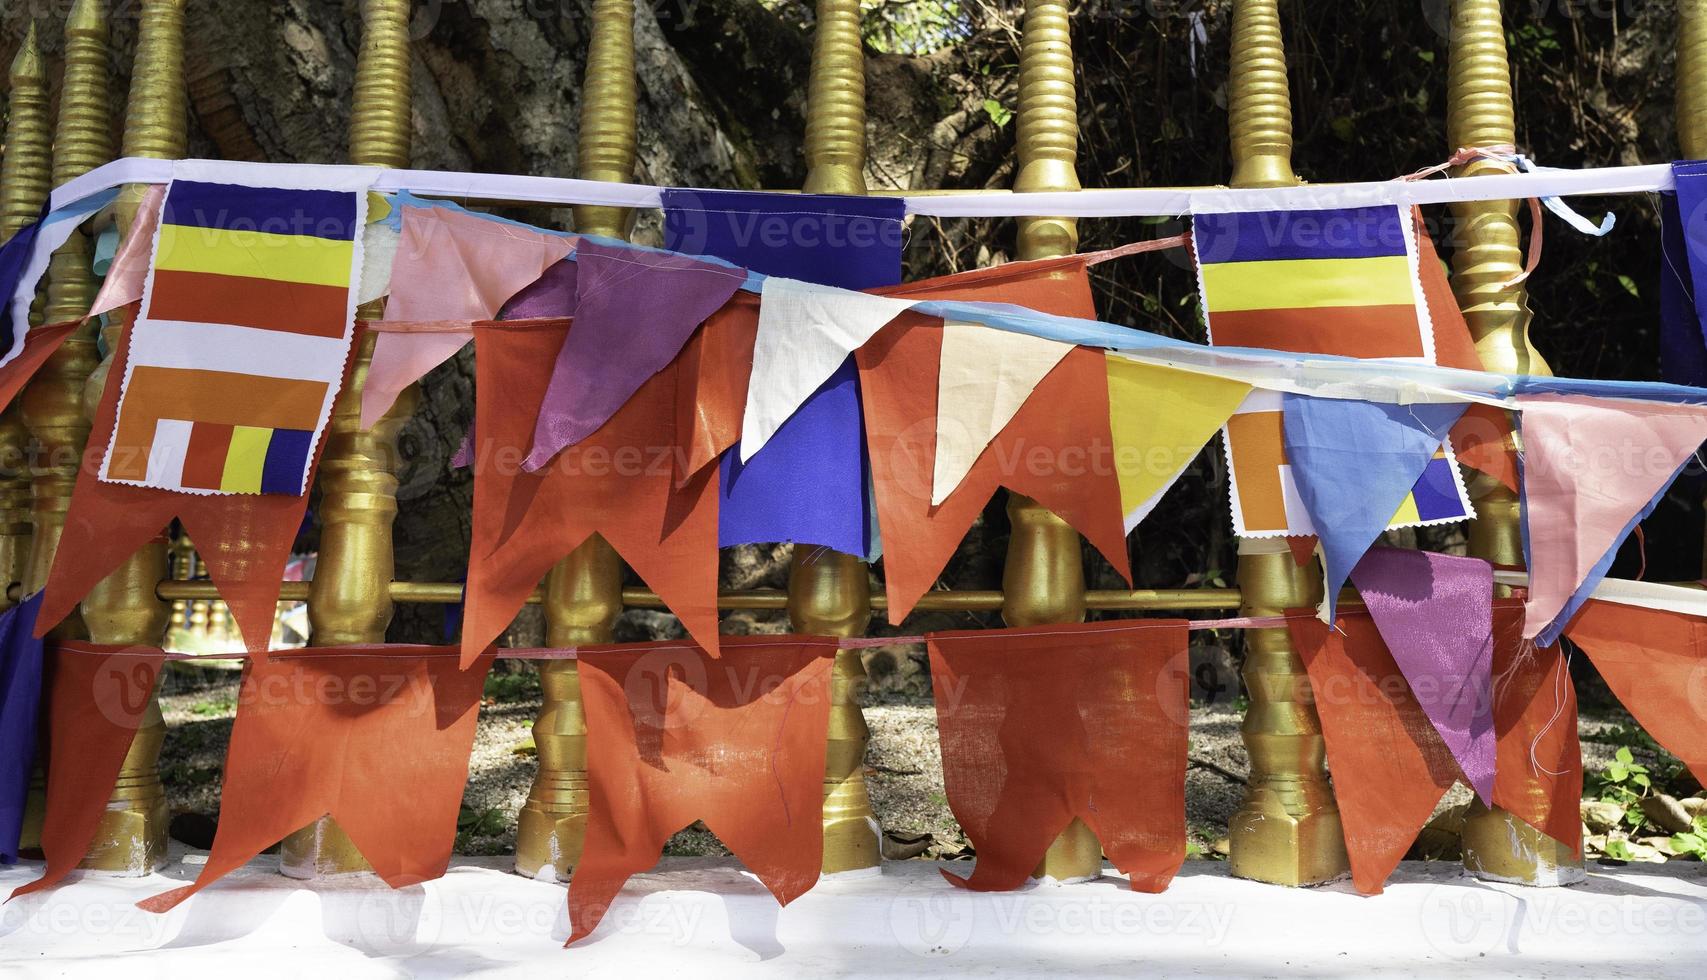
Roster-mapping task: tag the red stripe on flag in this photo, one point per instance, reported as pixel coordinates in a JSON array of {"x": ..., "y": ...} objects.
[
  {"x": 265, "y": 304},
  {"x": 204, "y": 460}
]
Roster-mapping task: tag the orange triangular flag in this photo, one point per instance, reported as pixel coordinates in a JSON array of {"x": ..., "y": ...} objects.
[
  {"x": 1057, "y": 450},
  {"x": 616, "y": 483},
  {"x": 96, "y": 700},
  {"x": 244, "y": 539},
  {"x": 1390, "y": 766},
  {"x": 1538, "y": 765},
  {"x": 674, "y": 736},
  {"x": 1653, "y": 660},
  {"x": 376, "y": 736}
]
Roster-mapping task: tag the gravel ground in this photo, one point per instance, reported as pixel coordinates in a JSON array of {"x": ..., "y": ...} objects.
[{"x": 903, "y": 764}]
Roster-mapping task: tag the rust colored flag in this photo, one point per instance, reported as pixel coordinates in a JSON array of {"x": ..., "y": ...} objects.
[
  {"x": 674, "y": 736},
  {"x": 97, "y": 698},
  {"x": 711, "y": 397},
  {"x": 376, "y": 736},
  {"x": 1482, "y": 435},
  {"x": 1654, "y": 660},
  {"x": 1390, "y": 766},
  {"x": 1538, "y": 765},
  {"x": 244, "y": 539},
  {"x": 1044, "y": 724},
  {"x": 617, "y": 483},
  {"x": 39, "y": 345},
  {"x": 1058, "y": 449}
]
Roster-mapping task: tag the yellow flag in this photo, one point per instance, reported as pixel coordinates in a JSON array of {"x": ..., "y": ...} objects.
[{"x": 1161, "y": 417}]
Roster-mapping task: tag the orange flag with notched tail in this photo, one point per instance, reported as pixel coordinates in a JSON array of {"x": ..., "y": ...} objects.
[
  {"x": 617, "y": 483},
  {"x": 97, "y": 699},
  {"x": 1655, "y": 661},
  {"x": 674, "y": 736},
  {"x": 1044, "y": 724},
  {"x": 245, "y": 540},
  {"x": 1058, "y": 449},
  {"x": 1538, "y": 764},
  {"x": 1390, "y": 766},
  {"x": 376, "y": 736}
]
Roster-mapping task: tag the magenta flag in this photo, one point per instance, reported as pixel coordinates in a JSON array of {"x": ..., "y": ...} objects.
[
  {"x": 634, "y": 309},
  {"x": 1593, "y": 468},
  {"x": 1436, "y": 615}
]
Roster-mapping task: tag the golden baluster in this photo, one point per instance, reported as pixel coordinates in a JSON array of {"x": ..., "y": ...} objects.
[
  {"x": 829, "y": 593},
  {"x": 1287, "y": 831},
  {"x": 1692, "y": 93},
  {"x": 1485, "y": 257},
  {"x": 349, "y": 600},
  {"x": 24, "y": 188},
  {"x": 123, "y": 608},
  {"x": 1043, "y": 580},
  {"x": 583, "y": 593}
]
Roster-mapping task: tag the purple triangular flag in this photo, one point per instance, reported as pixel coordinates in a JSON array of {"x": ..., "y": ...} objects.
[
  {"x": 1436, "y": 615},
  {"x": 634, "y": 309}
]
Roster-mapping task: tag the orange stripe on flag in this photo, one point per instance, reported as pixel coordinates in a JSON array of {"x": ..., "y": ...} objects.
[
  {"x": 1351, "y": 331},
  {"x": 1258, "y": 450},
  {"x": 219, "y": 397},
  {"x": 265, "y": 304}
]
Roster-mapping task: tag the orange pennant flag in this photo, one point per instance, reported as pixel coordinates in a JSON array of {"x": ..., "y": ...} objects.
[
  {"x": 39, "y": 345},
  {"x": 97, "y": 698},
  {"x": 1041, "y": 725},
  {"x": 1652, "y": 659},
  {"x": 1058, "y": 449},
  {"x": 675, "y": 736},
  {"x": 244, "y": 539},
  {"x": 1390, "y": 766},
  {"x": 711, "y": 397},
  {"x": 617, "y": 483},
  {"x": 1538, "y": 765},
  {"x": 376, "y": 736}
]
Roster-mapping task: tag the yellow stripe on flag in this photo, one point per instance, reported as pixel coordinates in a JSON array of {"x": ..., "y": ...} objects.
[
  {"x": 1285, "y": 284},
  {"x": 1160, "y": 417},
  {"x": 255, "y": 254},
  {"x": 245, "y": 459},
  {"x": 1407, "y": 512}
]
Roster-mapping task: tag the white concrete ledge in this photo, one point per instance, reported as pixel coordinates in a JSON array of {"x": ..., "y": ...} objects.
[{"x": 705, "y": 918}]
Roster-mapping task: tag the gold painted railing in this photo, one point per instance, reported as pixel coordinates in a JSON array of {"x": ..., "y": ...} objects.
[{"x": 1288, "y": 829}]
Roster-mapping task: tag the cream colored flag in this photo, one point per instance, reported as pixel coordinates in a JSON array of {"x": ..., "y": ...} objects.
[{"x": 985, "y": 377}]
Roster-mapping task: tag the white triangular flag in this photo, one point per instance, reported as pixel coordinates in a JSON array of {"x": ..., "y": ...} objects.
[
  {"x": 805, "y": 332},
  {"x": 985, "y": 377}
]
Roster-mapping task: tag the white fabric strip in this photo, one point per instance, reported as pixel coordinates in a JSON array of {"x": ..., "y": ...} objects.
[
  {"x": 225, "y": 347},
  {"x": 1146, "y": 201},
  {"x": 1626, "y": 592}
]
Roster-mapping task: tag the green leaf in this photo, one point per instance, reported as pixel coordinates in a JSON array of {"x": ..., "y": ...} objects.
[
  {"x": 998, "y": 113},
  {"x": 1426, "y": 57},
  {"x": 1623, "y": 755},
  {"x": 1629, "y": 285},
  {"x": 1641, "y": 780},
  {"x": 1617, "y": 772}
]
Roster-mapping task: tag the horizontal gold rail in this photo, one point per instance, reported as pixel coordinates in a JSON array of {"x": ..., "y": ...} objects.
[{"x": 1123, "y": 600}]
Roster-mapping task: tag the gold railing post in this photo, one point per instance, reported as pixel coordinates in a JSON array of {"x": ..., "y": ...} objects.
[
  {"x": 350, "y": 599},
  {"x": 1486, "y": 255},
  {"x": 1287, "y": 831},
  {"x": 829, "y": 593},
  {"x": 24, "y": 186},
  {"x": 1043, "y": 578},
  {"x": 583, "y": 593},
  {"x": 123, "y": 608},
  {"x": 1692, "y": 96}
]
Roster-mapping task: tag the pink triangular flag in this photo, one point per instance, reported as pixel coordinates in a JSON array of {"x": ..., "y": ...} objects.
[
  {"x": 451, "y": 265},
  {"x": 985, "y": 377},
  {"x": 1592, "y": 469},
  {"x": 129, "y": 270},
  {"x": 1436, "y": 615}
]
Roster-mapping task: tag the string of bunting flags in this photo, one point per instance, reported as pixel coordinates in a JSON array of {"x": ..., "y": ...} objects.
[{"x": 729, "y": 388}]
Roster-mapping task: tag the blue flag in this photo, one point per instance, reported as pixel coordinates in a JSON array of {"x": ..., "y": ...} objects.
[
  {"x": 811, "y": 481},
  {"x": 20, "y": 707},
  {"x": 1355, "y": 463},
  {"x": 14, "y": 259}
]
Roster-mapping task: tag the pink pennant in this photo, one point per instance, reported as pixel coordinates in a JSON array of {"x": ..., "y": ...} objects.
[
  {"x": 129, "y": 271},
  {"x": 451, "y": 265},
  {"x": 1592, "y": 468}
]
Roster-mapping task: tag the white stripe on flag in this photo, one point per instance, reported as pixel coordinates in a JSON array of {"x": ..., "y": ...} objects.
[{"x": 167, "y": 453}]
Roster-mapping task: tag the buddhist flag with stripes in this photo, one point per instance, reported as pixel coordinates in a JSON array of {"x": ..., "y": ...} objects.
[
  {"x": 239, "y": 351},
  {"x": 1344, "y": 281}
]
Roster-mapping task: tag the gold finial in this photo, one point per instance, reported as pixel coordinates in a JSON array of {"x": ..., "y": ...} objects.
[
  {"x": 1047, "y": 125},
  {"x": 24, "y": 174},
  {"x": 82, "y": 141},
  {"x": 607, "y": 113},
  {"x": 835, "y": 102},
  {"x": 349, "y": 600},
  {"x": 1480, "y": 113},
  {"x": 1260, "y": 103},
  {"x": 1692, "y": 78},
  {"x": 380, "y": 119},
  {"x": 583, "y": 592},
  {"x": 156, "y": 118},
  {"x": 1287, "y": 831}
]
